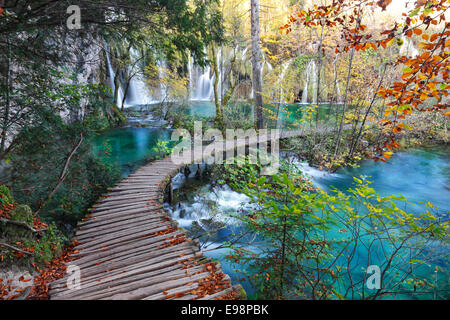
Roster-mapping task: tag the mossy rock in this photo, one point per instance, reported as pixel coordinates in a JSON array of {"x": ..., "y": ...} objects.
[
  {"x": 14, "y": 232},
  {"x": 242, "y": 295},
  {"x": 119, "y": 117},
  {"x": 5, "y": 196},
  {"x": 22, "y": 213}
]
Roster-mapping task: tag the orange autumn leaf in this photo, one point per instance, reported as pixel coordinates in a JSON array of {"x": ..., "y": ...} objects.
[
  {"x": 396, "y": 129},
  {"x": 423, "y": 96}
]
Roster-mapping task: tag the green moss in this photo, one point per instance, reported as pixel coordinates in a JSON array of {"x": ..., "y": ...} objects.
[
  {"x": 22, "y": 213},
  {"x": 5, "y": 196},
  {"x": 119, "y": 117},
  {"x": 242, "y": 295},
  {"x": 49, "y": 245}
]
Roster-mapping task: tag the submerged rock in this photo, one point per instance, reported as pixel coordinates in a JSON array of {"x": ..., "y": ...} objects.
[{"x": 210, "y": 224}]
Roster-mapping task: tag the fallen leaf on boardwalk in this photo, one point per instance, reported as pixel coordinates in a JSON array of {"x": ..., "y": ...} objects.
[{"x": 22, "y": 279}]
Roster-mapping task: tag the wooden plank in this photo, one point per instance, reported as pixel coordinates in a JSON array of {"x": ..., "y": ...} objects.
[
  {"x": 132, "y": 269},
  {"x": 173, "y": 292},
  {"x": 138, "y": 292},
  {"x": 119, "y": 221},
  {"x": 145, "y": 259},
  {"x": 125, "y": 246},
  {"x": 98, "y": 233},
  {"x": 109, "y": 286},
  {"x": 113, "y": 206},
  {"x": 109, "y": 241}
]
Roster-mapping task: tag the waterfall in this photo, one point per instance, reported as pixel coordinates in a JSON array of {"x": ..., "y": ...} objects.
[
  {"x": 191, "y": 77},
  {"x": 314, "y": 82},
  {"x": 338, "y": 93},
  {"x": 138, "y": 91},
  {"x": 162, "y": 67},
  {"x": 408, "y": 48},
  {"x": 305, "y": 90},
  {"x": 204, "y": 85},
  {"x": 336, "y": 82},
  {"x": 310, "y": 73},
  {"x": 111, "y": 79},
  {"x": 280, "y": 81},
  {"x": 244, "y": 54}
]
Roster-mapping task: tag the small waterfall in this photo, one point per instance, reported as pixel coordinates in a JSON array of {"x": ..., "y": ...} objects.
[
  {"x": 314, "y": 82},
  {"x": 281, "y": 107},
  {"x": 336, "y": 82},
  {"x": 191, "y": 77},
  {"x": 204, "y": 86},
  {"x": 266, "y": 64},
  {"x": 311, "y": 75},
  {"x": 210, "y": 207},
  {"x": 162, "y": 67},
  {"x": 338, "y": 93},
  {"x": 138, "y": 91},
  {"x": 244, "y": 54},
  {"x": 408, "y": 48},
  {"x": 111, "y": 78}
]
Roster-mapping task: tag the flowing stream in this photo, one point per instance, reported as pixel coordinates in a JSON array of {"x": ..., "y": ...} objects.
[{"x": 418, "y": 174}]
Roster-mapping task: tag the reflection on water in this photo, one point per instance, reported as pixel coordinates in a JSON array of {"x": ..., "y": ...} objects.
[
  {"x": 291, "y": 115},
  {"x": 129, "y": 147}
]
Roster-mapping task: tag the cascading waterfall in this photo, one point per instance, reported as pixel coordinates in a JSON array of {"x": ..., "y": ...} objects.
[
  {"x": 408, "y": 48},
  {"x": 311, "y": 75},
  {"x": 111, "y": 74},
  {"x": 336, "y": 82},
  {"x": 138, "y": 91},
  {"x": 204, "y": 85},
  {"x": 281, "y": 107},
  {"x": 338, "y": 93},
  {"x": 191, "y": 77},
  {"x": 162, "y": 67}
]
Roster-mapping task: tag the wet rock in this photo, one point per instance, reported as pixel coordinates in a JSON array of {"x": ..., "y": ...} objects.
[
  {"x": 182, "y": 213},
  {"x": 210, "y": 224}
]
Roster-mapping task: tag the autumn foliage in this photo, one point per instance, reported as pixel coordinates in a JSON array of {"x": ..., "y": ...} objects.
[{"x": 423, "y": 84}]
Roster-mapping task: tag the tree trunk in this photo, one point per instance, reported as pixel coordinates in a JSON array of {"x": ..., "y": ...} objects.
[
  {"x": 256, "y": 65},
  {"x": 116, "y": 87},
  {"x": 219, "y": 110},
  {"x": 319, "y": 65},
  {"x": 7, "y": 102},
  {"x": 125, "y": 94},
  {"x": 62, "y": 176}
]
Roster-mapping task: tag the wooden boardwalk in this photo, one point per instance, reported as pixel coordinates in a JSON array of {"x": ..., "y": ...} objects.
[{"x": 128, "y": 247}]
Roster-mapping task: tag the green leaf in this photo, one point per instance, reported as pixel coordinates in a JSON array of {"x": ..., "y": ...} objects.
[
  {"x": 261, "y": 181},
  {"x": 407, "y": 70},
  {"x": 414, "y": 12}
]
